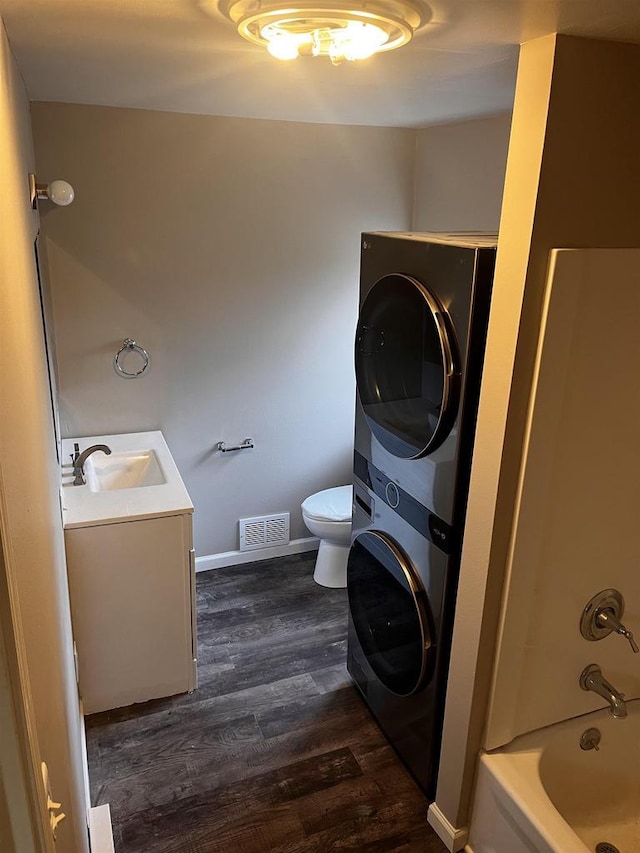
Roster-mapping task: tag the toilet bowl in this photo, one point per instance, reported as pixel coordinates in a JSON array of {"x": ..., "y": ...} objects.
[{"x": 327, "y": 515}]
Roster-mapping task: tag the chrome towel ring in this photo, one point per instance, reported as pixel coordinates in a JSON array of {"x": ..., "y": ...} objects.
[{"x": 129, "y": 345}]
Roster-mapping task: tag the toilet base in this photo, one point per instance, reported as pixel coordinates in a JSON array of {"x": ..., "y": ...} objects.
[{"x": 331, "y": 565}]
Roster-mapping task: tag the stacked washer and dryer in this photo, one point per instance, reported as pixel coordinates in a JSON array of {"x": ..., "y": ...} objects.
[{"x": 424, "y": 306}]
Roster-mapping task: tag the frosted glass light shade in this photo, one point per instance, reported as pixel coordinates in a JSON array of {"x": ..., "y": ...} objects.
[
  {"x": 61, "y": 192},
  {"x": 340, "y": 29}
]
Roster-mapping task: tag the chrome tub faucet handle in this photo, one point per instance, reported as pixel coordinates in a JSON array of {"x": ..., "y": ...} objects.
[
  {"x": 607, "y": 619},
  {"x": 602, "y": 616}
]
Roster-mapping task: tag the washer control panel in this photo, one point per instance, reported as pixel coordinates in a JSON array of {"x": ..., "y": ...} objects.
[
  {"x": 392, "y": 494},
  {"x": 419, "y": 517}
]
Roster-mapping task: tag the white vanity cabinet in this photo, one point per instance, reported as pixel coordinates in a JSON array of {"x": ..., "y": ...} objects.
[{"x": 132, "y": 588}]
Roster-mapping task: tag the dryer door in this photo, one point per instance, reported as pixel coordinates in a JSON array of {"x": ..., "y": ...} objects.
[
  {"x": 406, "y": 366},
  {"x": 390, "y": 613}
]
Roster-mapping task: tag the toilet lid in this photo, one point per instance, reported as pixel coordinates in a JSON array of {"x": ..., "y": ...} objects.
[{"x": 330, "y": 504}]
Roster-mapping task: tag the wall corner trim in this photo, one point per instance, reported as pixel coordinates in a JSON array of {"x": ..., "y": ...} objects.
[
  {"x": 236, "y": 558},
  {"x": 100, "y": 830},
  {"x": 454, "y": 838}
]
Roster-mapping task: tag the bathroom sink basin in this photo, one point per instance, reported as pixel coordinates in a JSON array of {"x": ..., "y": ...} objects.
[{"x": 124, "y": 470}]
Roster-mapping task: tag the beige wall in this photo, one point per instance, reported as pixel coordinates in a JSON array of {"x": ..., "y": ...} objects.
[
  {"x": 572, "y": 180},
  {"x": 30, "y": 523},
  {"x": 587, "y": 196},
  {"x": 229, "y": 248},
  {"x": 460, "y": 175},
  {"x": 22, "y": 806}
]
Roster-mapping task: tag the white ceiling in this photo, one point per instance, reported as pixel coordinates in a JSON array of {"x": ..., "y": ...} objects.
[{"x": 183, "y": 55}]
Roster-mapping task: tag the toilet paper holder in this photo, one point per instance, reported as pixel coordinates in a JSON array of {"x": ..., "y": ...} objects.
[{"x": 246, "y": 445}]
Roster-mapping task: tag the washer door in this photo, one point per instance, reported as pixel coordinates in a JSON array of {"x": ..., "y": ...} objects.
[
  {"x": 390, "y": 613},
  {"x": 406, "y": 371}
]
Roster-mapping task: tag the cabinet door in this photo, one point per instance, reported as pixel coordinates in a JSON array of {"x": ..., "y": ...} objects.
[{"x": 130, "y": 587}]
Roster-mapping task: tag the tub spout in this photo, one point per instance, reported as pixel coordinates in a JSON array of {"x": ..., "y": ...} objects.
[{"x": 593, "y": 679}]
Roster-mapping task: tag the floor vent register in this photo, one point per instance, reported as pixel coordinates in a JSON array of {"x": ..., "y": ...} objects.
[{"x": 264, "y": 531}]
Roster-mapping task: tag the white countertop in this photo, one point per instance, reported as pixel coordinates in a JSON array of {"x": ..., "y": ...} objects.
[{"x": 83, "y": 508}]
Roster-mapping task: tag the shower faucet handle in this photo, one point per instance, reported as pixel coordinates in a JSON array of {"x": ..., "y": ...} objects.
[
  {"x": 602, "y": 616},
  {"x": 607, "y": 619}
]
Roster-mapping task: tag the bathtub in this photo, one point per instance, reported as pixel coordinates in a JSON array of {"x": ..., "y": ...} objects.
[{"x": 544, "y": 794}]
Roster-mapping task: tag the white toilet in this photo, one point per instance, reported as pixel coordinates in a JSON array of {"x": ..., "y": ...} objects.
[{"x": 327, "y": 514}]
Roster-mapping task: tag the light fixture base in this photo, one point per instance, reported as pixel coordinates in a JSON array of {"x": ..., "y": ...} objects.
[{"x": 36, "y": 191}]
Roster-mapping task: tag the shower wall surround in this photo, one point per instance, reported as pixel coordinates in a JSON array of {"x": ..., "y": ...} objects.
[{"x": 575, "y": 529}]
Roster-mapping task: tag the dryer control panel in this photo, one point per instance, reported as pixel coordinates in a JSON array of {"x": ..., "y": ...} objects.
[{"x": 419, "y": 517}]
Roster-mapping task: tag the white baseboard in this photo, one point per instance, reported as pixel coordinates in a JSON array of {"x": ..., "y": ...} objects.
[
  {"x": 453, "y": 838},
  {"x": 236, "y": 558},
  {"x": 100, "y": 833}
]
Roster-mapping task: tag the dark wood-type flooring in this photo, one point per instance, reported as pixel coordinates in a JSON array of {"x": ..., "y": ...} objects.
[{"x": 274, "y": 751}]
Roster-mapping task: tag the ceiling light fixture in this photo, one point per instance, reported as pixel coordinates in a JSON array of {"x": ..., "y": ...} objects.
[{"x": 339, "y": 30}]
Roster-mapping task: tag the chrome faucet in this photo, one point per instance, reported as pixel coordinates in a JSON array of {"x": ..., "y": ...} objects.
[
  {"x": 79, "y": 459},
  {"x": 593, "y": 679},
  {"x": 608, "y": 620},
  {"x": 602, "y": 616}
]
